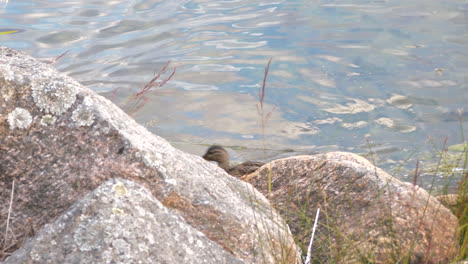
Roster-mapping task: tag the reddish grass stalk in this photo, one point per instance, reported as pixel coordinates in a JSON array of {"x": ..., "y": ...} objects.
[
  {"x": 264, "y": 118},
  {"x": 261, "y": 99},
  {"x": 140, "y": 98},
  {"x": 114, "y": 94},
  {"x": 261, "y": 92},
  {"x": 143, "y": 101},
  {"x": 168, "y": 78},
  {"x": 53, "y": 61},
  {"x": 151, "y": 83}
]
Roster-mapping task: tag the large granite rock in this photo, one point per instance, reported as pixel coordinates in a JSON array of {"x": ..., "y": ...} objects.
[
  {"x": 60, "y": 141},
  {"x": 367, "y": 216},
  {"x": 120, "y": 222}
]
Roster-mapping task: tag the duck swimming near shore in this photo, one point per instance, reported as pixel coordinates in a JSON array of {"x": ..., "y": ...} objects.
[{"x": 220, "y": 155}]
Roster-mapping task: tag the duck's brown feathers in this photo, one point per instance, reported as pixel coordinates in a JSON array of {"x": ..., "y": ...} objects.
[
  {"x": 220, "y": 155},
  {"x": 244, "y": 168}
]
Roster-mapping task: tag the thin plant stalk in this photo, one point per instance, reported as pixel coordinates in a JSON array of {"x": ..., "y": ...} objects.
[
  {"x": 309, "y": 249},
  {"x": 9, "y": 213},
  {"x": 264, "y": 117},
  {"x": 261, "y": 99},
  {"x": 426, "y": 205},
  {"x": 140, "y": 96},
  {"x": 462, "y": 209},
  {"x": 52, "y": 62}
]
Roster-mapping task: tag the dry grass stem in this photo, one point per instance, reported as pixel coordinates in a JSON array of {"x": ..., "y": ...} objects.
[
  {"x": 140, "y": 97},
  {"x": 53, "y": 61},
  {"x": 309, "y": 249},
  {"x": 260, "y": 106},
  {"x": 9, "y": 214}
]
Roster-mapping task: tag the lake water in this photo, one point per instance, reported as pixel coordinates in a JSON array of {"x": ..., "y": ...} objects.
[{"x": 359, "y": 76}]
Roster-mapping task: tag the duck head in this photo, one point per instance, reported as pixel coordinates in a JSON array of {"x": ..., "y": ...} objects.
[{"x": 218, "y": 154}]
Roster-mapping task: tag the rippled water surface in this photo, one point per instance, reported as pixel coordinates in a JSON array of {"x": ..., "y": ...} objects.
[{"x": 345, "y": 75}]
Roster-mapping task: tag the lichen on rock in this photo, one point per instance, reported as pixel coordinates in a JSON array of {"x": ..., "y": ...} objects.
[
  {"x": 19, "y": 118},
  {"x": 57, "y": 164},
  {"x": 47, "y": 120},
  {"x": 83, "y": 114},
  {"x": 7, "y": 72},
  {"x": 53, "y": 96},
  {"x": 7, "y": 92},
  {"x": 119, "y": 189},
  {"x": 135, "y": 228}
]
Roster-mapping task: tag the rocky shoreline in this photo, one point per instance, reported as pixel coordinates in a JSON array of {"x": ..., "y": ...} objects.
[{"x": 93, "y": 186}]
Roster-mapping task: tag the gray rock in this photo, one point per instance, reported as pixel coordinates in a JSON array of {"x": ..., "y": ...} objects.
[
  {"x": 367, "y": 216},
  {"x": 60, "y": 141},
  {"x": 120, "y": 222}
]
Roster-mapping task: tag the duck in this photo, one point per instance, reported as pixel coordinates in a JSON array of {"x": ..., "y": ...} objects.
[{"x": 219, "y": 155}]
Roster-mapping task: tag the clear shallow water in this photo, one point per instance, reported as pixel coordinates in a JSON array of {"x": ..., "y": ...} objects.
[{"x": 380, "y": 75}]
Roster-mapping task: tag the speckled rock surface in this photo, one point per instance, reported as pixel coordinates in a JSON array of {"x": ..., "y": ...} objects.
[
  {"x": 59, "y": 141},
  {"x": 120, "y": 222},
  {"x": 367, "y": 216},
  {"x": 451, "y": 200}
]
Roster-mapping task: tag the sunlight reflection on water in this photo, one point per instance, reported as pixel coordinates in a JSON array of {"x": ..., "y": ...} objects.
[{"x": 394, "y": 72}]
